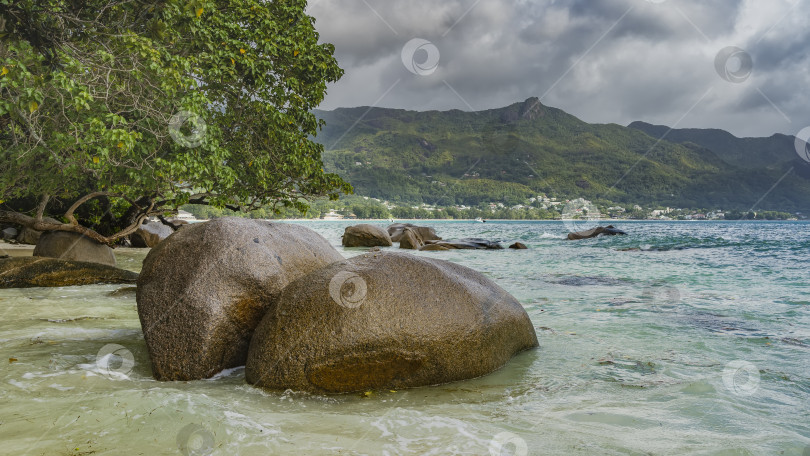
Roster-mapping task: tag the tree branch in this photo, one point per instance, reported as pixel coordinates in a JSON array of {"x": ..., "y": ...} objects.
[
  {"x": 84, "y": 199},
  {"x": 166, "y": 222},
  {"x": 43, "y": 202},
  {"x": 134, "y": 227},
  {"x": 40, "y": 224}
]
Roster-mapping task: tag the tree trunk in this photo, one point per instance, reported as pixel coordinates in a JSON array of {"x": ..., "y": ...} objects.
[{"x": 141, "y": 212}]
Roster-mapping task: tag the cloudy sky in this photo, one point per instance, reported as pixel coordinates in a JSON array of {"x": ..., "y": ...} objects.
[{"x": 740, "y": 65}]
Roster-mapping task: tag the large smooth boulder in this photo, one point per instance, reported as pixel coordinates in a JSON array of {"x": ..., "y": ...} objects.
[
  {"x": 425, "y": 233},
  {"x": 410, "y": 240},
  {"x": 67, "y": 245},
  {"x": 386, "y": 320},
  {"x": 466, "y": 243},
  {"x": 150, "y": 234},
  {"x": 609, "y": 230},
  {"x": 31, "y": 236},
  {"x": 29, "y": 271},
  {"x": 203, "y": 290},
  {"x": 365, "y": 235}
]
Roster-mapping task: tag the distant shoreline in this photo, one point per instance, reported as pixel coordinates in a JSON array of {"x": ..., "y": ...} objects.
[{"x": 608, "y": 221}]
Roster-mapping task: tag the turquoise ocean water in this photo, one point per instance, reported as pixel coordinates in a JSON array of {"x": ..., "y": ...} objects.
[{"x": 680, "y": 338}]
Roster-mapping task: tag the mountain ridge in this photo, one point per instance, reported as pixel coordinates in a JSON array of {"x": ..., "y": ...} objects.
[
  {"x": 511, "y": 153},
  {"x": 747, "y": 152}
]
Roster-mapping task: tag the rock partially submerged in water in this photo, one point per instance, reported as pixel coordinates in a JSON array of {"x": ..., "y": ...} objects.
[
  {"x": 386, "y": 320},
  {"x": 203, "y": 290},
  {"x": 424, "y": 233},
  {"x": 365, "y": 235},
  {"x": 410, "y": 239},
  {"x": 518, "y": 246},
  {"x": 66, "y": 245},
  {"x": 8, "y": 233},
  {"x": 466, "y": 243},
  {"x": 609, "y": 230},
  {"x": 31, "y": 236},
  {"x": 27, "y": 272},
  {"x": 411, "y": 236},
  {"x": 150, "y": 234}
]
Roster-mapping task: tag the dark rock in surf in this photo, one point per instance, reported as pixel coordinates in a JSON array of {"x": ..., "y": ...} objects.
[
  {"x": 410, "y": 240},
  {"x": 150, "y": 234},
  {"x": 66, "y": 245},
  {"x": 30, "y": 271},
  {"x": 609, "y": 230},
  {"x": 365, "y": 235},
  {"x": 466, "y": 243},
  {"x": 423, "y": 232}
]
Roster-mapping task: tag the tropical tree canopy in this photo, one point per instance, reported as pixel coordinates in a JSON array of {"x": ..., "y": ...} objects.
[{"x": 152, "y": 104}]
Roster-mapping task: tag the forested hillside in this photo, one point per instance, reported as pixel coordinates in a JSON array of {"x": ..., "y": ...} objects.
[{"x": 512, "y": 153}]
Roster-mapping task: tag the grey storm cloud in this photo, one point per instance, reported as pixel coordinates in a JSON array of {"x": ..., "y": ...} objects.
[{"x": 605, "y": 61}]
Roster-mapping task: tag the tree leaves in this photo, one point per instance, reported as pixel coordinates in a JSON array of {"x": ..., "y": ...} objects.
[{"x": 90, "y": 106}]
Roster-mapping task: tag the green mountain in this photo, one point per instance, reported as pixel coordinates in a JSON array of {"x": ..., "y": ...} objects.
[
  {"x": 775, "y": 152},
  {"x": 512, "y": 153}
]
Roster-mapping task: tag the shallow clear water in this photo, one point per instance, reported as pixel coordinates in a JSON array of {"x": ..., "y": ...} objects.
[{"x": 699, "y": 343}]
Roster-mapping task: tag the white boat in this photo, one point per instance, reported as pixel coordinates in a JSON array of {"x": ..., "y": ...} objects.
[{"x": 479, "y": 220}]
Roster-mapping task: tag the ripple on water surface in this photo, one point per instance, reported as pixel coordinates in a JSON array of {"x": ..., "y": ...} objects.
[{"x": 678, "y": 338}]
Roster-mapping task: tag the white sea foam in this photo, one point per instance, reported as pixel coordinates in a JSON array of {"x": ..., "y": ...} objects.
[
  {"x": 59, "y": 387},
  {"x": 227, "y": 373}
]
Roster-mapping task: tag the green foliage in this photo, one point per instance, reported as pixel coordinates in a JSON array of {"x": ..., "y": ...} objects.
[
  {"x": 759, "y": 215},
  {"x": 508, "y": 154},
  {"x": 89, "y": 91},
  {"x": 774, "y": 151},
  {"x": 361, "y": 207},
  {"x": 371, "y": 211}
]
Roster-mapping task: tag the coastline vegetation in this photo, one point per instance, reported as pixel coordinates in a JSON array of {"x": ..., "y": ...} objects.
[{"x": 359, "y": 207}]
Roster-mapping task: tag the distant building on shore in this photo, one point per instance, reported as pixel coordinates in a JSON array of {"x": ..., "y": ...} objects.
[
  {"x": 185, "y": 216},
  {"x": 332, "y": 215}
]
